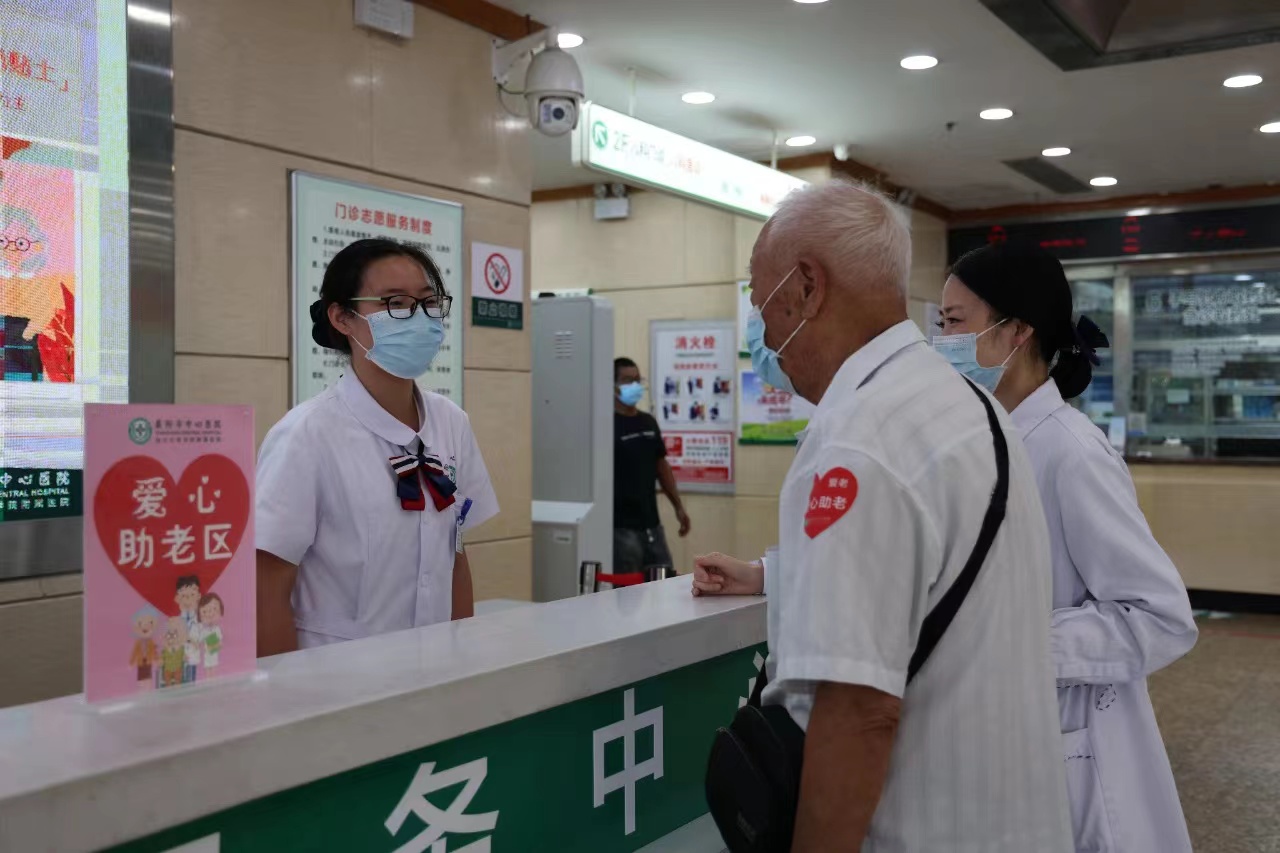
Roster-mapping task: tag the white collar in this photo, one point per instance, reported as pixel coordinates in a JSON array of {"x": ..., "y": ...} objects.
[
  {"x": 859, "y": 367},
  {"x": 1039, "y": 405},
  {"x": 378, "y": 420}
]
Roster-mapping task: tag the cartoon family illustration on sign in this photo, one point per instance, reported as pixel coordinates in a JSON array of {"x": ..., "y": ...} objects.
[{"x": 173, "y": 651}]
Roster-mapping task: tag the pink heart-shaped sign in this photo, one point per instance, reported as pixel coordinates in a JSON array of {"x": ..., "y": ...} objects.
[
  {"x": 832, "y": 496},
  {"x": 156, "y": 531}
]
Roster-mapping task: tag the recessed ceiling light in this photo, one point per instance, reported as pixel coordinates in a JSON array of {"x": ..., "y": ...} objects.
[
  {"x": 800, "y": 141},
  {"x": 1273, "y": 127},
  {"x": 697, "y": 97},
  {"x": 1242, "y": 81},
  {"x": 1244, "y": 277},
  {"x": 1139, "y": 211},
  {"x": 810, "y": 2},
  {"x": 568, "y": 41},
  {"x": 919, "y": 63},
  {"x": 1104, "y": 182},
  {"x": 1056, "y": 152},
  {"x": 996, "y": 114}
]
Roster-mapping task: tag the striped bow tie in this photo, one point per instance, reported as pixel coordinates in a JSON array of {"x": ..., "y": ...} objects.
[{"x": 414, "y": 469}]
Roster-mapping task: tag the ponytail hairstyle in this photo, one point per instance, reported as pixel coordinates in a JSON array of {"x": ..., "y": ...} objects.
[
  {"x": 1025, "y": 282},
  {"x": 1074, "y": 368}
]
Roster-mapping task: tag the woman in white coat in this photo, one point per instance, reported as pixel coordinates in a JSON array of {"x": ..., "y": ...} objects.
[
  {"x": 1120, "y": 608},
  {"x": 364, "y": 491}
]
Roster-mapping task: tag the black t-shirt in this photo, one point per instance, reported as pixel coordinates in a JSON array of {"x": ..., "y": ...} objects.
[{"x": 637, "y": 447}]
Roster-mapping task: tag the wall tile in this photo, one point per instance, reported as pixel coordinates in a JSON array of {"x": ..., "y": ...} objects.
[
  {"x": 711, "y": 527},
  {"x": 21, "y": 589},
  {"x": 1217, "y": 524},
  {"x": 500, "y": 405},
  {"x": 70, "y": 584},
  {"x": 745, "y": 233},
  {"x": 233, "y": 295},
  {"x": 456, "y": 135},
  {"x": 49, "y": 634},
  {"x": 761, "y": 469},
  {"x": 708, "y": 245},
  {"x": 500, "y": 349},
  {"x": 293, "y": 74},
  {"x": 634, "y": 309},
  {"x": 756, "y": 524},
  {"x": 258, "y": 382},
  {"x": 502, "y": 569}
]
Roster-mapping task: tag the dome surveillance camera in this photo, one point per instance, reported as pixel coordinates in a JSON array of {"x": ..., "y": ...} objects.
[{"x": 554, "y": 91}]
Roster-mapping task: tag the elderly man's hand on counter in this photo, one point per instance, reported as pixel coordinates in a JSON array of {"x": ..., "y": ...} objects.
[{"x": 720, "y": 574}]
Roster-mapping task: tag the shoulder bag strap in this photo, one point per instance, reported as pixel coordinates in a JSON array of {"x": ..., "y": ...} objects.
[{"x": 935, "y": 624}]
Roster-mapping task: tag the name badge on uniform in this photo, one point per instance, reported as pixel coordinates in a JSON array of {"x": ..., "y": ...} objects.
[{"x": 462, "y": 519}]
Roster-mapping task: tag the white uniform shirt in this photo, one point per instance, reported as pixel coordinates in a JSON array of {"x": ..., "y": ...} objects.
[
  {"x": 326, "y": 501},
  {"x": 1120, "y": 612},
  {"x": 976, "y": 763}
]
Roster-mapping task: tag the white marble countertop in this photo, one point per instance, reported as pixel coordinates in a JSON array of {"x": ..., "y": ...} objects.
[{"x": 77, "y": 777}]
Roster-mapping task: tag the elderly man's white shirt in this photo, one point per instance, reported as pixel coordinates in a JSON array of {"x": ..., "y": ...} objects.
[{"x": 878, "y": 514}]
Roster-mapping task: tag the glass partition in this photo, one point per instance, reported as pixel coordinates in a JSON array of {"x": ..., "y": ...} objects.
[
  {"x": 1206, "y": 364},
  {"x": 1093, "y": 295}
]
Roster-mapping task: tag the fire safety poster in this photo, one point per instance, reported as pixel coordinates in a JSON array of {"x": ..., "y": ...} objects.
[{"x": 692, "y": 384}]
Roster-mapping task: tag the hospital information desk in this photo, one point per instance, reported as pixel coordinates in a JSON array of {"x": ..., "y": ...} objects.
[{"x": 579, "y": 725}]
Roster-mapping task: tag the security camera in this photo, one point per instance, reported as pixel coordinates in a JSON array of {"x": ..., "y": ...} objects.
[{"x": 552, "y": 86}]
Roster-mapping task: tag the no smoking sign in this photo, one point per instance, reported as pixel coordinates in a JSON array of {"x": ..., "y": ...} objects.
[
  {"x": 497, "y": 286},
  {"x": 497, "y": 274}
]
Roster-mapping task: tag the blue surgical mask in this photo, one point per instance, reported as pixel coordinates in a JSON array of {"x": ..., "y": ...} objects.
[
  {"x": 764, "y": 361},
  {"x": 403, "y": 348},
  {"x": 631, "y": 393},
  {"x": 962, "y": 352}
]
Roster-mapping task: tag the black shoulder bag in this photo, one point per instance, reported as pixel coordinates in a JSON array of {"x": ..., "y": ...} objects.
[{"x": 753, "y": 774}]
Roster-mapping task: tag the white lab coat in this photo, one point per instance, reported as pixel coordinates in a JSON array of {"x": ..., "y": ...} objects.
[
  {"x": 1120, "y": 612},
  {"x": 327, "y": 502}
]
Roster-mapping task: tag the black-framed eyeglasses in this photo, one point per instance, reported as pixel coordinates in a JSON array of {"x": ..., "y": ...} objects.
[{"x": 403, "y": 307}]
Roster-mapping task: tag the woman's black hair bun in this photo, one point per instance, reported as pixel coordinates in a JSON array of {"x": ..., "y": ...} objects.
[
  {"x": 323, "y": 332},
  {"x": 1090, "y": 338}
]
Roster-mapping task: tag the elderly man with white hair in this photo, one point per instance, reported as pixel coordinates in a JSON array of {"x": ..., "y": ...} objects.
[{"x": 888, "y": 499}]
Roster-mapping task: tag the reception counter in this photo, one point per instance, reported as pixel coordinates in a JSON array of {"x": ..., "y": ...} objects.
[{"x": 576, "y": 725}]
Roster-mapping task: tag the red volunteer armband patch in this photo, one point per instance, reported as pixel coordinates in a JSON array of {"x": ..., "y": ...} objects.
[{"x": 832, "y": 496}]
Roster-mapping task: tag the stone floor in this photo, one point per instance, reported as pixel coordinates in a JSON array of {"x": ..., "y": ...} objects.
[{"x": 1219, "y": 710}]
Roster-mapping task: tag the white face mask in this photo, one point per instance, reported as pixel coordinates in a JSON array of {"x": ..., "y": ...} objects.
[
  {"x": 962, "y": 352},
  {"x": 767, "y": 362}
]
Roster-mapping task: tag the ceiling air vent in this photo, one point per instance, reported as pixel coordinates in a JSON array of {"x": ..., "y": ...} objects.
[{"x": 1047, "y": 175}]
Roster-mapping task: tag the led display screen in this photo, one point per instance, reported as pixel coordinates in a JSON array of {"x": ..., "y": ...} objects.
[{"x": 64, "y": 241}]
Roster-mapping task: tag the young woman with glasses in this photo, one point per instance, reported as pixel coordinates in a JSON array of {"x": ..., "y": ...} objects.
[{"x": 364, "y": 490}]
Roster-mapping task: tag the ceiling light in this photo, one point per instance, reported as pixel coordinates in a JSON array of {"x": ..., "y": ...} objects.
[
  {"x": 146, "y": 15},
  {"x": 1104, "y": 182},
  {"x": 1244, "y": 277},
  {"x": 810, "y": 2},
  {"x": 1273, "y": 127},
  {"x": 996, "y": 114},
  {"x": 800, "y": 141},
  {"x": 568, "y": 41},
  {"x": 697, "y": 97},
  {"x": 919, "y": 63},
  {"x": 1259, "y": 284},
  {"x": 1139, "y": 211},
  {"x": 1056, "y": 152},
  {"x": 1242, "y": 81}
]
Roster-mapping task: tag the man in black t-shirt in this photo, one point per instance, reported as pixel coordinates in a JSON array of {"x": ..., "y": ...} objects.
[{"x": 639, "y": 460}]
